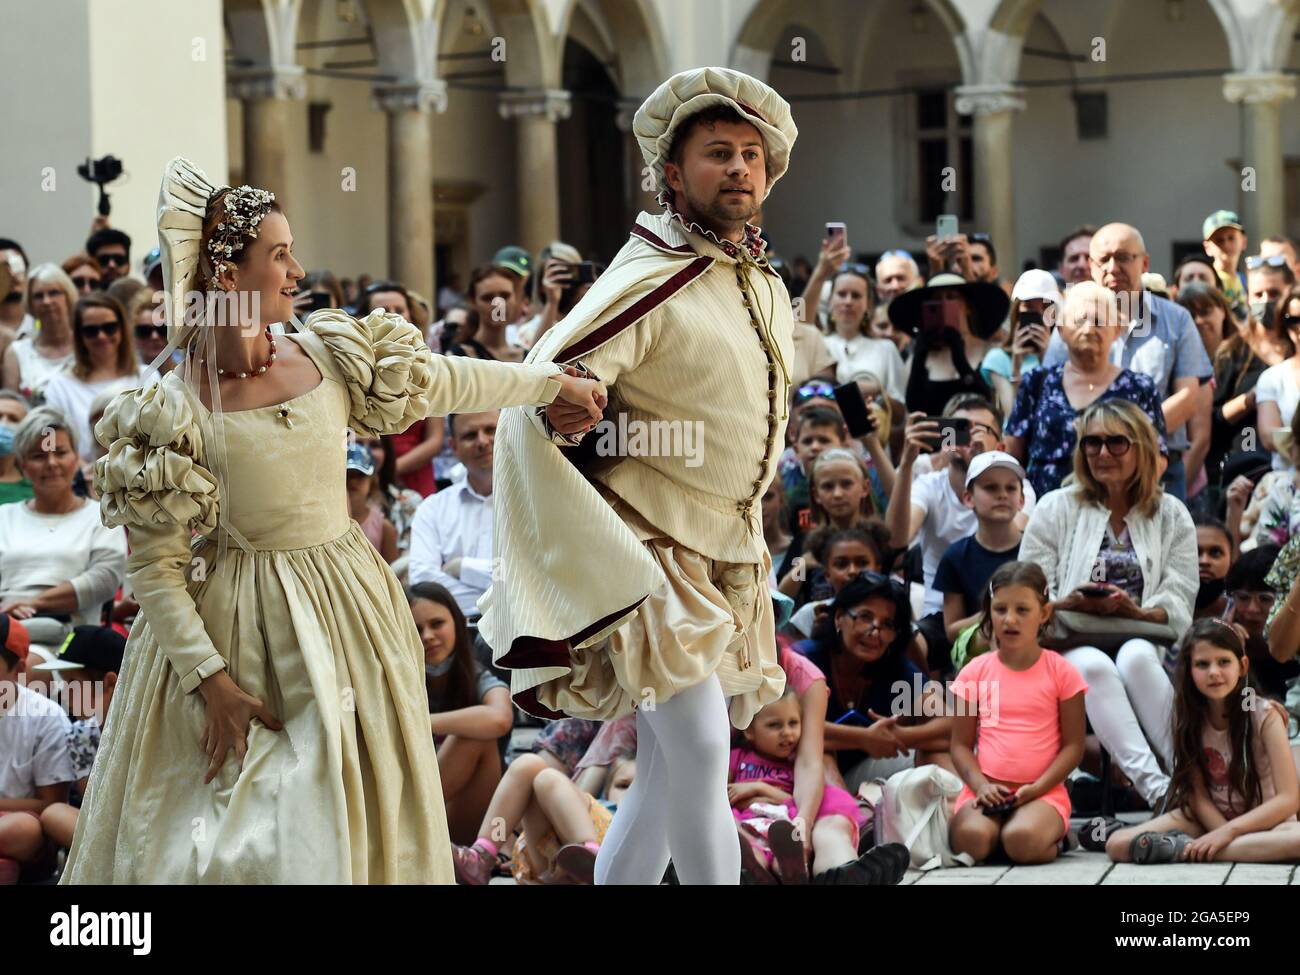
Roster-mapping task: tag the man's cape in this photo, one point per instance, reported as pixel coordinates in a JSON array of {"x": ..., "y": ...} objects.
[{"x": 567, "y": 570}]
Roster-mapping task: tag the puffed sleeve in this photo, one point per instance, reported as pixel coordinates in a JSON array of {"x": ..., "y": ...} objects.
[
  {"x": 151, "y": 482},
  {"x": 393, "y": 379}
]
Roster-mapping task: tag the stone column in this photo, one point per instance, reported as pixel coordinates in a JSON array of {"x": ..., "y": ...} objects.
[
  {"x": 993, "y": 108},
  {"x": 266, "y": 94},
  {"x": 536, "y": 112},
  {"x": 639, "y": 198},
  {"x": 1263, "y": 197},
  {"x": 410, "y": 181}
]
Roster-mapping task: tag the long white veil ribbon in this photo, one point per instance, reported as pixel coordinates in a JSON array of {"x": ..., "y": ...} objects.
[{"x": 182, "y": 207}]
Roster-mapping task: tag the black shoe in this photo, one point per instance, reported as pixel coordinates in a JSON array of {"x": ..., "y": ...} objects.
[
  {"x": 902, "y": 859},
  {"x": 881, "y": 866},
  {"x": 1095, "y": 832}
]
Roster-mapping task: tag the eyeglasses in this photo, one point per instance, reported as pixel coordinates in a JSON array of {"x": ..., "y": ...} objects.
[
  {"x": 1115, "y": 443},
  {"x": 1265, "y": 599},
  {"x": 853, "y": 267},
  {"x": 1290, "y": 321},
  {"x": 111, "y": 258},
  {"x": 817, "y": 390},
  {"x": 147, "y": 332},
  {"x": 85, "y": 282},
  {"x": 898, "y": 253},
  {"x": 864, "y": 620},
  {"x": 95, "y": 331},
  {"x": 1259, "y": 260},
  {"x": 979, "y": 238}
]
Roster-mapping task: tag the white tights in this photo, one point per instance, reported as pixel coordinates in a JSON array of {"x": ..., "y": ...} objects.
[
  {"x": 1130, "y": 702},
  {"x": 677, "y": 806}
]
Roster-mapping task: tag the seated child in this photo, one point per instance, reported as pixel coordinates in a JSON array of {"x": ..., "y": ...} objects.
[
  {"x": 1019, "y": 730},
  {"x": 89, "y": 663},
  {"x": 1234, "y": 791},
  {"x": 761, "y": 774},
  {"x": 844, "y": 555},
  {"x": 35, "y": 767},
  {"x": 995, "y": 492},
  {"x": 560, "y": 825}
]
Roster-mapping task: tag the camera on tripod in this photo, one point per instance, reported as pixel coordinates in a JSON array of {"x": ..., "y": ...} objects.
[{"x": 101, "y": 172}]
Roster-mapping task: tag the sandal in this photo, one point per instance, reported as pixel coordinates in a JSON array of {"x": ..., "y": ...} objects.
[
  {"x": 1150, "y": 848},
  {"x": 791, "y": 865},
  {"x": 1095, "y": 832},
  {"x": 751, "y": 864},
  {"x": 578, "y": 860}
]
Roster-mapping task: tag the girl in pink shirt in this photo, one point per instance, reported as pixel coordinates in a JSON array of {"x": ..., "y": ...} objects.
[
  {"x": 1234, "y": 792},
  {"x": 1019, "y": 728}
]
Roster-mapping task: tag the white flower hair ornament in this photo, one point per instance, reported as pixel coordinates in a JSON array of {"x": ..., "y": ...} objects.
[{"x": 246, "y": 206}]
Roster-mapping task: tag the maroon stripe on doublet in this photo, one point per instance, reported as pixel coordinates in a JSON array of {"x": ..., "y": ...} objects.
[
  {"x": 658, "y": 241},
  {"x": 532, "y": 651},
  {"x": 636, "y": 311}
]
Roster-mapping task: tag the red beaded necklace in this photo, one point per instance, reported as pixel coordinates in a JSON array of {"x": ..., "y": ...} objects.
[{"x": 260, "y": 369}]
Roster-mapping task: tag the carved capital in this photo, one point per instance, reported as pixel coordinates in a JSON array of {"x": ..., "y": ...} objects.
[
  {"x": 1252, "y": 89},
  {"x": 286, "y": 81},
  {"x": 423, "y": 96},
  {"x": 989, "y": 99},
  {"x": 552, "y": 104}
]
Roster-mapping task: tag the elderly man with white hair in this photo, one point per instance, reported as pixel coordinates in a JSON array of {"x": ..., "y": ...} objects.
[
  {"x": 896, "y": 272},
  {"x": 1160, "y": 341}
]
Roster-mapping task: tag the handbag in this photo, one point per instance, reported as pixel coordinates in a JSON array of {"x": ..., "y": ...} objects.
[
  {"x": 915, "y": 808},
  {"x": 1070, "y": 629}
]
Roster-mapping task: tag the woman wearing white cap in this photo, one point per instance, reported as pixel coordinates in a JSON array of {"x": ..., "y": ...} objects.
[
  {"x": 1035, "y": 301},
  {"x": 279, "y": 633}
]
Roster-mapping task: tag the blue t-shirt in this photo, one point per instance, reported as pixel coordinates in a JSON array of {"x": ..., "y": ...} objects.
[
  {"x": 997, "y": 361},
  {"x": 967, "y": 567},
  {"x": 880, "y": 696}
]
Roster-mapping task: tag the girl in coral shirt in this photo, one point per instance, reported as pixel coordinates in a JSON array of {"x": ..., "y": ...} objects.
[{"x": 1019, "y": 728}]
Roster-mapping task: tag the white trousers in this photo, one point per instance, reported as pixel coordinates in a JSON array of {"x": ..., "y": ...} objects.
[
  {"x": 1130, "y": 702},
  {"x": 677, "y": 806}
]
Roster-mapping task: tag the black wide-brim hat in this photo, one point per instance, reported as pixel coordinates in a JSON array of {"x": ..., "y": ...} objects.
[{"x": 988, "y": 303}]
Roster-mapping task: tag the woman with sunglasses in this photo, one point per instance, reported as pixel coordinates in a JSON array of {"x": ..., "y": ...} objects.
[
  {"x": 873, "y": 724},
  {"x": 104, "y": 362},
  {"x": 1041, "y": 431},
  {"x": 1115, "y": 545},
  {"x": 149, "y": 327},
  {"x": 1278, "y": 391},
  {"x": 85, "y": 272}
]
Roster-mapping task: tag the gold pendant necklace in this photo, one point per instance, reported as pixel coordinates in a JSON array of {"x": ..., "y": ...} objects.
[{"x": 1082, "y": 378}]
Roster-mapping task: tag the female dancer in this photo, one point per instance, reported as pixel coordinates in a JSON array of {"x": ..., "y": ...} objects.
[{"x": 279, "y": 633}]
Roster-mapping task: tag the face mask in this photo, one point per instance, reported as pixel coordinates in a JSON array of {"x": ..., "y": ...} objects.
[
  {"x": 6, "y": 440},
  {"x": 1260, "y": 310},
  {"x": 439, "y": 670},
  {"x": 1209, "y": 591}
]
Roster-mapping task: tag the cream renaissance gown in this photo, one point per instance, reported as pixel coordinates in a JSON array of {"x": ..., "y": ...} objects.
[{"x": 312, "y": 621}]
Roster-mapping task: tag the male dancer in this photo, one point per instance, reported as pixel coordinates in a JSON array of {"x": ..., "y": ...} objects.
[{"x": 630, "y": 579}]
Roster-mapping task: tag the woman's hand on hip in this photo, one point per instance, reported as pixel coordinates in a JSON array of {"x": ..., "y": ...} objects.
[{"x": 228, "y": 712}]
